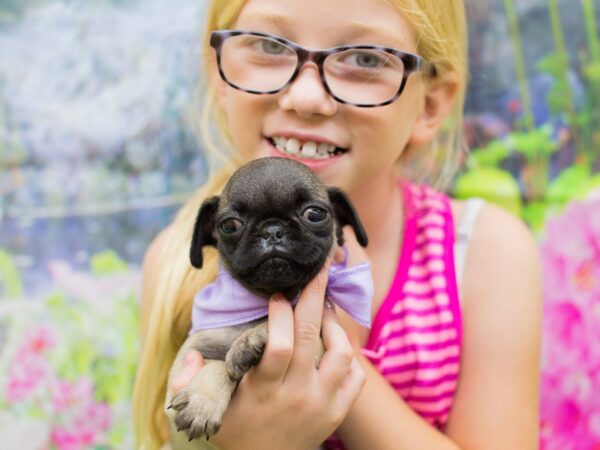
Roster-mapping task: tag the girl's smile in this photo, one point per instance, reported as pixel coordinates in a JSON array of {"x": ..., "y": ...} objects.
[{"x": 314, "y": 151}]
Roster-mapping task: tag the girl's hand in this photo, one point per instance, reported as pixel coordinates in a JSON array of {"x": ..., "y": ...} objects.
[{"x": 285, "y": 401}]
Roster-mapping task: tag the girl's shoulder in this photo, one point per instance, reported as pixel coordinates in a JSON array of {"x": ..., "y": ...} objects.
[
  {"x": 499, "y": 240},
  {"x": 502, "y": 249}
]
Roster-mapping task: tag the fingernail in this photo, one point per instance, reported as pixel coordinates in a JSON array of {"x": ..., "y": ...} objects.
[
  {"x": 278, "y": 297},
  {"x": 188, "y": 358}
]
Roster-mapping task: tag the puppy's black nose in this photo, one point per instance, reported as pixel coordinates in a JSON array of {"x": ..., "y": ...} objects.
[{"x": 273, "y": 233}]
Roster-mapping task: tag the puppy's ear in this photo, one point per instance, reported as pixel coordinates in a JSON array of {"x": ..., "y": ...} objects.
[
  {"x": 203, "y": 230},
  {"x": 345, "y": 214}
]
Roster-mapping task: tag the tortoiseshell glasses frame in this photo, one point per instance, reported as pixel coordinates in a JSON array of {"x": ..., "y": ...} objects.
[{"x": 409, "y": 63}]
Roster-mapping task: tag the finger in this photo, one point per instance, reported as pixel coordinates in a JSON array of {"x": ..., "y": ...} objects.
[
  {"x": 192, "y": 363},
  {"x": 339, "y": 354},
  {"x": 307, "y": 322},
  {"x": 356, "y": 253},
  {"x": 338, "y": 254},
  {"x": 280, "y": 342},
  {"x": 351, "y": 386}
]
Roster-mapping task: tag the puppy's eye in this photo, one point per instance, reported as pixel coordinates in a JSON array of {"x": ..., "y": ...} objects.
[
  {"x": 314, "y": 215},
  {"x": 230, "y": 226}
]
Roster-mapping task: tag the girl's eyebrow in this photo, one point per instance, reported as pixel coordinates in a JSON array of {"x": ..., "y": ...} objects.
[{"x": 351, "y": 32}]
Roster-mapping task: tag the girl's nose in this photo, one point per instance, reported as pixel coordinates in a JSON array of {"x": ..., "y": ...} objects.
[{"x": 307, "y": 95}]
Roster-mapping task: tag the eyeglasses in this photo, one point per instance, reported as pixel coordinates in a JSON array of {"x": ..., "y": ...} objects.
[{"x": 359, "y": 75}]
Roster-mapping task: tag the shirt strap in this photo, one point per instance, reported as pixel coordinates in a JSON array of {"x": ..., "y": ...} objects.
[{"x": 464, "y": 234}]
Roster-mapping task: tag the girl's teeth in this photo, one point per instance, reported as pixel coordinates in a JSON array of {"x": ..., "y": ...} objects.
[
  {"x": 309, "y": 149},
  {"x": 293, "y": 146},
  {"x": 323, "y": 149}
]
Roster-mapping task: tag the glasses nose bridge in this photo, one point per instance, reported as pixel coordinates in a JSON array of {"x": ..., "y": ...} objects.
[{"x": 305, "y": 56}]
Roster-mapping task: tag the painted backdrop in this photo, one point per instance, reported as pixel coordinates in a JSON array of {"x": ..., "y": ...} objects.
[{"x": 98, "y": 149}]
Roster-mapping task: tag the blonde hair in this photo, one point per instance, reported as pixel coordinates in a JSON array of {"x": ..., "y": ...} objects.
[{"x": 441, "y": 39}]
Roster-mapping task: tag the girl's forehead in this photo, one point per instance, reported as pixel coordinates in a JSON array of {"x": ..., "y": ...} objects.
[{"x": 320, "y": 24}]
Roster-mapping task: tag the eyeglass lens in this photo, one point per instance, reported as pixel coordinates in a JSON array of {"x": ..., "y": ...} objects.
[{"x": 360, "y": 76}]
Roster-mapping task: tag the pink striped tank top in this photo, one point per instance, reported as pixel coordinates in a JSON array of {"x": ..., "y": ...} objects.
[{"x": 415, "y": 339}]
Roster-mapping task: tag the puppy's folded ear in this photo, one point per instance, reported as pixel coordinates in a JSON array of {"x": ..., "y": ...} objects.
[
  {"x": 203, "y": 230},
  {"x": 345, "y": 214}
]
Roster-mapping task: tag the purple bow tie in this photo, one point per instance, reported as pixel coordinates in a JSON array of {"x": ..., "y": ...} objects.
[{"x": 226, "y": 302}]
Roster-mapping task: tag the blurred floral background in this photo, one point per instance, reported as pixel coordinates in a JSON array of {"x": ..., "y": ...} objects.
[{"x": 98, "y": 148}]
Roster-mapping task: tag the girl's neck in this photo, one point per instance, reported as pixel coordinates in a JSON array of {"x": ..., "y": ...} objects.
[{"x": 380, "y": 208}]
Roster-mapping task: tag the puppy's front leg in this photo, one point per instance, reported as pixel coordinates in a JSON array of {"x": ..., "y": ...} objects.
[
  {"x": 199, "y": 407},
  {"x": 246, "y": 351},
  {"x": 202, "y": 403}
]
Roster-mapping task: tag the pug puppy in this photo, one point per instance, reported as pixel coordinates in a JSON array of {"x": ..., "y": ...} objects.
[{"x": 274, "y": 226}]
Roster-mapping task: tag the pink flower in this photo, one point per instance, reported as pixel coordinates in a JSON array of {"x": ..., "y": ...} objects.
[
  {"x": 82, "y": 421},
  {"x": 40, "y": 339},
  {"x": 570, "y": 399},
  {"x": 30, "y": 369},
  {"x": 71, "y": 440}
]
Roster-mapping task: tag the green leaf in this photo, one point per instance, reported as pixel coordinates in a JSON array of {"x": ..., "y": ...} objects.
[
  {"x": 10, "y": 276},
  {"x": 107, "y": 262},
  {"x": 495, "y": 185},
  {"x": 555, "y": 64},
  {"x": 571, "y": 183},
  {"x": 592, "y": 72},
  {"x": 489, "y": 156},
  {"x": 535, "y": 214},
  {"x": 535, "y": 143}
]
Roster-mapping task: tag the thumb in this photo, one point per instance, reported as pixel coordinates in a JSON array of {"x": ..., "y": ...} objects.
[
  {"x": 192, "y": 363},
  {"x": 356, "y": 254}
]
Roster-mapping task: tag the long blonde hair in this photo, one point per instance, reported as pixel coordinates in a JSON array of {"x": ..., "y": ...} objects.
[{"x": 441, "y": 39}]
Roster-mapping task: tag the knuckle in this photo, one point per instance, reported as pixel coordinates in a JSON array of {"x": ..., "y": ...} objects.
[
  {"x": 307, "y": 331},
  {"x": 322, "y": 405},
  {"x": 346, "y": 357},
  {"x": 361, "y": 377},
  {"x": 297, "y": 401},
  {"x": 360, "y": 380},
  {"x": 280, "y": 350},
  {"x": 336, "y": 417}
]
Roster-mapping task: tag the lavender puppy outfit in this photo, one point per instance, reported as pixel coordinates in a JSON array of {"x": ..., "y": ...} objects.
[{"x": 226, "y": 303}]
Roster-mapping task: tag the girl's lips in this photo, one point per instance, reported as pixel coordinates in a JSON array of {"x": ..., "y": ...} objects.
[{"x": 316, "y": 165}]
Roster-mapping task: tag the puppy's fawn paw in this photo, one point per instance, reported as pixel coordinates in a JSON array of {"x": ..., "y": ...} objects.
[
  {"x": 201, "y": 405},
  {"x": 245, "y": 353}
]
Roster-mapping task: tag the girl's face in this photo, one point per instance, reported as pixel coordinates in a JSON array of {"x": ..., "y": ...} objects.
[{"x": 372, "y": 139}]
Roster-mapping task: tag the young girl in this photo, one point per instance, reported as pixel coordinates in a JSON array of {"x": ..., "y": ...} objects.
[{"x": 451, "y": 360}]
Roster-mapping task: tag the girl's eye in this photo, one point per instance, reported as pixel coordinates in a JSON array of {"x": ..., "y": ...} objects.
[
  {"x": 366, "y": 59},
  {"x": 270, "y": 46},
  {"x": 314, "y": 215},
  {"x": 230, "y": 226}
]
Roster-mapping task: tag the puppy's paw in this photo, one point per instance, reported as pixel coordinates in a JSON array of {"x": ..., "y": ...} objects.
[
  {"x": 245, "y": 353},
  {"x": 201, "y": 405}
]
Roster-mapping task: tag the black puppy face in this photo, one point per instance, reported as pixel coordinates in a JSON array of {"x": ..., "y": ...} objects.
[{"x": 274, "y": 225}]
